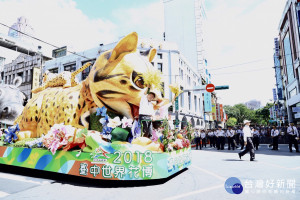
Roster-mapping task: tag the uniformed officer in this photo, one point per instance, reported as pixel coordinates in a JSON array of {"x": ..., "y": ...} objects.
[
  {"x": 241, "y": 133},
  {"x": 197, "y": 138},
  {"x": 255, "y": 138},
  {"x": 203, "y": 138},
  {"x": 215, "y": 138},
  {"x": 230, "y": 137},
  {"x": 274, "y": 135},
  {"x": 211, "y": 137},
  {"x": 220, "y": 138},
  {"x": 293, "y": 136},
  {"x": 248, "y": 141}
]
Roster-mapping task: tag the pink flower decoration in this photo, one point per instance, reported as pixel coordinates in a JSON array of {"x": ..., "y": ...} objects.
[{"x": 126, "y": 122}]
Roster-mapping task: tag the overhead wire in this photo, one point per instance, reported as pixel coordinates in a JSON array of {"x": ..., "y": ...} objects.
[{"x": 43, "y": 41}]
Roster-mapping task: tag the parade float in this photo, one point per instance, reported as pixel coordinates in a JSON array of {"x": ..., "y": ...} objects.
[{"x": 90, "y": 129}]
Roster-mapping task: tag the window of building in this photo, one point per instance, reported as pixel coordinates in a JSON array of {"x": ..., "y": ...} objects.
[
  {"x": 288, "y": 58},
  {"x": 195, "y": 102},
  {"x": 181, "y": 73},
  {"x": 54, "y": 70},
  {"x": 70, "y": 68},
  {"x": 21, "y": 75},
  {"x": 160, "y": 66},
  {"x": 86, "y": 72},
  {"x": 182, "y": 98},
  {"x": 159, "y": 56},
  {"x": 293, "y": 92},
  {"x": 29, "y": 73},
  {"x": 199, "y": 105},
  {"x": 26, "y": 76},
  {"x": 5, "y": 79},
  {"x": 190, "y": 100}
]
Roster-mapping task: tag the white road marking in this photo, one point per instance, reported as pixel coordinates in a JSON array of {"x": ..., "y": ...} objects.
[
  {"x": 279, "y": 166},
  {"x": 3, "y": 194},
  {"x": 210, "y": 173},
  {"x": 194, "y": 192},
  {"x": 22, "y": 179}
]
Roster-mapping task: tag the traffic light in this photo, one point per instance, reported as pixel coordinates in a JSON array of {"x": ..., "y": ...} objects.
[{"x": 222, "y": 87}]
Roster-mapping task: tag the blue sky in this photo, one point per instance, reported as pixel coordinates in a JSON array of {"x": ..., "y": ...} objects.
[{"x": 104, "y": 8}]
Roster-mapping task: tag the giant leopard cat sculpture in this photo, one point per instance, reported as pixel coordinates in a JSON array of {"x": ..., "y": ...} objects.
[{"x": 115, "y": 81}]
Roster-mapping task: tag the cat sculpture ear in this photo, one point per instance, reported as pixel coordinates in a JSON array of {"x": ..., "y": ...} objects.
[
  {"x": 127, "y": 45},
  {"x": 152, "y": 54}
]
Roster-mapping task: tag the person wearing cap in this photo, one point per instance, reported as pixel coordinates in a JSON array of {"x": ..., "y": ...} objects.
[
  {"x": 230, "y": 136},
  {"x": 255, "y": 138},
  {"x": 146, "y": 112},
  {"x": 220, "y": 138},
  {"x": 293, "y": 136},
  {"x": 274, "y": 135},
  {"x": 248, "y": 141},
  {"x": 203, "y": 138},
  {"x": 197, "y": 138}
]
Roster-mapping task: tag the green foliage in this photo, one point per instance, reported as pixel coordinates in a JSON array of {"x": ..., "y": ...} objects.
[
  {"x": 94, "y": 122},
  {"x": 240, "y": 112},
  {"x": 231, "y": 121}
]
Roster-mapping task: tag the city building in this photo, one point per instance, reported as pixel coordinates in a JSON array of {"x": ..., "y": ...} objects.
[
  {"x": 28, "y": 68},
  {"x": 185, "y": 27},
  {"x": 2, "y": 62},
  {"x": 173, "y": 65},
  {"x": 253, "y": 104},
  {"x": 289, "y": 54}
]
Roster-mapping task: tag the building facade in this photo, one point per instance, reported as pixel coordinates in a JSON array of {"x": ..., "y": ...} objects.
[
  {"x": 28, "y": 68},
  {"x": 173, "y": 65},
  {"x": 186, "y": 29},
  {"x": 289, "y": 45}
]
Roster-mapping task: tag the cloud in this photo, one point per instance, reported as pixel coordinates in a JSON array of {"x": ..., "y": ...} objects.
[
  {"x": 147, "y": 20},
  {"x": 248, "y": 28},
  {"x": 59, "y": 22}
]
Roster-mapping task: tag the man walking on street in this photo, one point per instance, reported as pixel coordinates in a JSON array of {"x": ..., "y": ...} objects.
[
  {"x": 230, "y": 137},
  {"x": 274, "y": 135},
  {"x": 248, "y": 141},
  {"x": 197, "y": 138},
  {"x": 293, "y": 136}
]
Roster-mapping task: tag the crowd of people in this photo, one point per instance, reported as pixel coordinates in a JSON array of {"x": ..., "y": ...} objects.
[{"x": 234, "y": 137}]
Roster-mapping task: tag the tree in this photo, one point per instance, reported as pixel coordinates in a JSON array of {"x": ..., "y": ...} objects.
[{"x": 231, "y": 121}]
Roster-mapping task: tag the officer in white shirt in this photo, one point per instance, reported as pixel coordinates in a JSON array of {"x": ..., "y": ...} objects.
[
  {"x": 274, "y": 135},
  {"x": 220, "y": 138},
  {"x": 197, "y": 138},
  {"x": 241, "y": 134},
  {"x": 248, "y": 141},
  {"x": 293, "y": 134},
  {"x": 211, "y": 137},
  {"x": 230, "y": 137},
  {"x": 203, "y": 138},
  {"x": 255, "y": 138},
  {"x": 215, "y": 138},
  {"x": 146, "y": 111}
]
